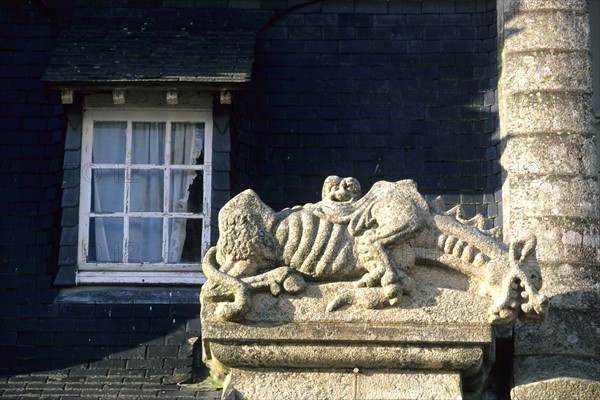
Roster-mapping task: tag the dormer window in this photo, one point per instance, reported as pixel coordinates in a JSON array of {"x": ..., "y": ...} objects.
[
  {"x": 144, "y": 195},
  {"x": 138, "y": 187}
]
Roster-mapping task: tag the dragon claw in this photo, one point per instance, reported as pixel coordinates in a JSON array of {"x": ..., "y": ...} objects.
[{"x": 392, "y": 291}]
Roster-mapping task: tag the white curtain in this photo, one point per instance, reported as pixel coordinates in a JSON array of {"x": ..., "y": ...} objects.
[
  {"x": 187, "y": 142},
  {"x": 146, "y": 188},
  {"x": 106, "y": 234},
  {"x": 146, "y": 191}
]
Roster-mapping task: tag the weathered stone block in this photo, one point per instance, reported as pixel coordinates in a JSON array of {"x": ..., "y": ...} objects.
[
  {"x": 386, "y": 347},
  {"x": 349, "y": 384},
  {"x": 562, "y": 30},
  {"x": 551, "y": 191},
  {"x": 547, "y": 70},
  {"x": 572, "y": 285},
  {"x": 540, "y": 112},
  {"x": 512, "y": 6},
  {"x": 567, "y": 331},
  {"x": 556, "y": 377},
  {"x": 559, "y": 195},
  {"x": 551, "y": 154},
  {"x": 560, "y": 240}
]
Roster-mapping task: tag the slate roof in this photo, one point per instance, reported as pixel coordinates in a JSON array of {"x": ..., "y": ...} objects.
[
  {"x": 125, "y": 54},
  {"x": 158, "y": 45}
]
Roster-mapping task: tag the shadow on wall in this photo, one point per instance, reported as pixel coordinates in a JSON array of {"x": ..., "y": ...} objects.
[
  {"x": 41, "y": 328},
  {"x": 149, "y": 331},
  {"x": 374, "y": 90}
]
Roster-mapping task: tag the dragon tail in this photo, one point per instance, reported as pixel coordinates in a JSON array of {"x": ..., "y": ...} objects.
[{"x": 239, "y": 307}]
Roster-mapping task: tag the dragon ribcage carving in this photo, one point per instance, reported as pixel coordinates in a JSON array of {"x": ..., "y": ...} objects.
[
  {"x": 316, "y": 247},
  {"x": 348, "y": 238}
]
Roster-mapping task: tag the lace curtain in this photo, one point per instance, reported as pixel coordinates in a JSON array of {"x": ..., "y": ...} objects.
[{"x": 146, "y": 191}]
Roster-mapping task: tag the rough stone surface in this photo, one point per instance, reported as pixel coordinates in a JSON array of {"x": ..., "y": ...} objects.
[
  {"x": 562, "y": 30},
  {"x": 343, "y": 355},
  {"x": 562, "y": 240},
  {"x": 288, "y": 331},
  {"x": 561, "y": 190},
  {"x": 380, "y": 339},
  {"x": 560, "y": 388},
  {"x": 271, "y": 316},
  {"x": 357, "y": 384},
  {"x": 550, "y": 189},
  {"x": 544, "y": 112},
  {"x": 538, "y": 70},
  {"x": 556, "y": 377},
  {"x": 399, "y": 285},
  {"x": 346, "y": 237},
  {"x": 573, "y": 155},
  {"x": 567, "y": 331},
  {"x": 512, "y": 6},
  {"x": 572, "y": 286}
]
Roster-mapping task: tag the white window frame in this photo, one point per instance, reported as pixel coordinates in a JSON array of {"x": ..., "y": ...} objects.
[{"x": 142, "y": 273}]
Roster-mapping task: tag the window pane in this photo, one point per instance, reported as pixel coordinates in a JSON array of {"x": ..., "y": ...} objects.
[
  {"x": 146, "y": 190},
  {"x": 187, "y": 143},
  {"x": 148, "y": 143},
  {"x": 145, "y": 239},
  {"x": 107, "y": 190},
  {"x": 185, "y": 191},
  {"x": 106, "y": 240},
  {"x": 109, "y": 142},
  {"x": 185, "y": 240}
]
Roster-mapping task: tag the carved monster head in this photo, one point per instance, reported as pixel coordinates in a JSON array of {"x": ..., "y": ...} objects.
[{"x": 340, "y": 190}]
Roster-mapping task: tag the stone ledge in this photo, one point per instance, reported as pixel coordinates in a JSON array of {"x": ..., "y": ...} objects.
[
  {"x": 420, "y": 344},
  {"x": 344, "y": 355},
  {"x": 346, "y": 332}
]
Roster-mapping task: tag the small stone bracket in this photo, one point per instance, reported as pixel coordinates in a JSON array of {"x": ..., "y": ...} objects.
[
  {"x": 172, "y": 97},
  {"x": 118, "y": 96},
  {"x": 66, "y": 96},
  {"x": 225, "y": 96}
]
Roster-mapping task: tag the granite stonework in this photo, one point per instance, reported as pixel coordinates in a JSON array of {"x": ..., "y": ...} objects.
[
  {"x": 360, "y": 296},
  {"x": 550, "y": 189},
  {"x": 289, "y": 343}
]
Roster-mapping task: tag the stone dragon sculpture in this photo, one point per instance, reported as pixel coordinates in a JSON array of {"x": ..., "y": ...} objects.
[{"x": 346, "y": 237}]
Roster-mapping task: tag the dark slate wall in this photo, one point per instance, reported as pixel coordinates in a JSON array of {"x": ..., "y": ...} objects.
[
  {"x": 373, "y": 89},
  {"x": 133, "y": 336},
  {"x": 31, "y": 146},
  {"x": 376, "y": 90}
]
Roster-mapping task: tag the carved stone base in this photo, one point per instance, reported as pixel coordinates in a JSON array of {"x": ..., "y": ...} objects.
[
  {"x": 246, "y": 383},
  {"x": 290, "y": 347}
]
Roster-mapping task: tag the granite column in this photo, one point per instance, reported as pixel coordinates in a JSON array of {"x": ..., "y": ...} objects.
[{"x": 550, "y": 189}]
